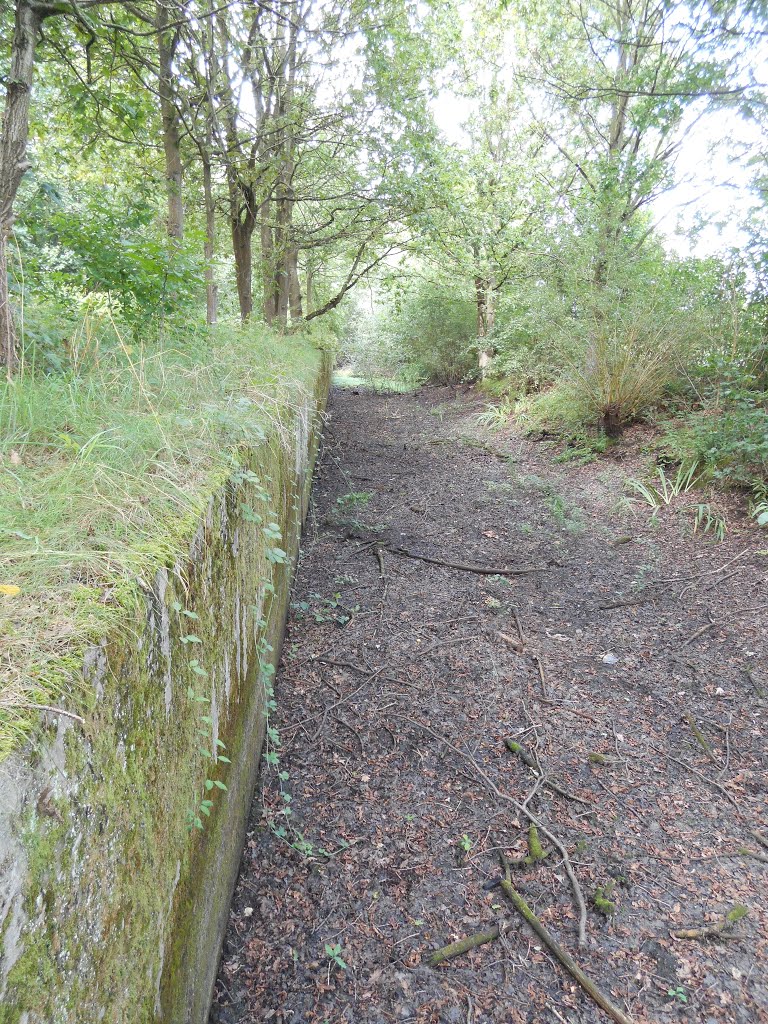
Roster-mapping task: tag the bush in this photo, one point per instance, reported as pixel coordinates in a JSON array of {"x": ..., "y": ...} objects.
[
  {"x": 425, "y": 331},
  {"x": 730, "y": 444}
]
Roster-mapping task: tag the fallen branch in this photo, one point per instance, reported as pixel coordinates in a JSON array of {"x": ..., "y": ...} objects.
[
  {"x": 519, "y": 627},
  {"x": 578, "y": 896},
  {"x": 699, "y": 575},
  {"x": 480, "y": 569},
  {"x": 463, "y": 946},
  {"x": 744, "y": 851},
  {"x": 714, "y": 931},
  {"x": 695, "y": 771},
  {"x": 542, "y": 676},
  {"x": 514, "y": 644},
  {"x": 717, "y": 622},
  {"x": 557, "y": 950},
  {"x": 701, "y": 738},
  {"x": 527, "y": 759},
  {"x": 380, "y": 559}
]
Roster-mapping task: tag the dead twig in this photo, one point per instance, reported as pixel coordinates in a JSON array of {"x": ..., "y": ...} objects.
[
  {"x": 721, "y": 930},
  {"x": 462, "y": 567},
  {"x": 531, "y": 762},
  {"x": 566, "y": 960},
  {"x": 697, "y": 773},
  {"x": 463, "y": 945},
  {"x": 700, "y": 575},
  {"x": 519, "y": 627},
  {"x": 380, "y": 559},
  {"x": 542, "y": 676},
  {"x": 532, "y": 818},
  {"x": 55, "y": 711}
]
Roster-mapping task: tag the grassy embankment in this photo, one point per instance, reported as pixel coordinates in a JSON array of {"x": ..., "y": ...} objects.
[{"x": 103, "y": 471}]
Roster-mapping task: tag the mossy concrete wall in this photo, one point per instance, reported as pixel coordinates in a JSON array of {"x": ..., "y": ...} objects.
[{"x": 113, "y": 903}]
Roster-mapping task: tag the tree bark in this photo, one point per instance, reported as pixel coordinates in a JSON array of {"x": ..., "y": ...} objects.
[
  {"x": 485, "y": 321},
  {"x": 166, "y": 49},
  {"x": 211, "y": 288},
  {"x": 294, "y": 285},
  {"x": 13, "y": 158},
  {"x": 243, "y": 224},
  {"x": 269, "y": 299}
]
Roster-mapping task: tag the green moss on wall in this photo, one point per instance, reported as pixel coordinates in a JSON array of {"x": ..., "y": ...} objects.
[{"x": 125, "y": 901}]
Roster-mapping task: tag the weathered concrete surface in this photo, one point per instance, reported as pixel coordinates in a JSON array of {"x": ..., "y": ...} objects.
[{"x": 112, "y": 902}]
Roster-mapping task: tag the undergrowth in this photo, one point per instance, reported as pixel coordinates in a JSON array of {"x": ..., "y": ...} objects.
[{"x": 103, "y": 471}]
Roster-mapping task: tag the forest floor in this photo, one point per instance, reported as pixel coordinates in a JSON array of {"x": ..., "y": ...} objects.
[{"x": 631, "y": 664}]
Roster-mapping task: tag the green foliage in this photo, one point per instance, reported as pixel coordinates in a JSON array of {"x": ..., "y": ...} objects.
[
  {"x": 423, "y": 331},
  {"x": 730, "y": 442},
  {"x": 103, "y": 470},
  {"x": 91, "y": 248},
  {"x": 708, "y": 520},
  {"x": 668, "y": 488},
  {"x": 333, "y": 952}
]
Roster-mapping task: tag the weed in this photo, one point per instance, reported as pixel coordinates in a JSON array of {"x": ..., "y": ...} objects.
[
  {"x": 569, "y": 517},
  {"x": 583, "y": 449},
  {"x": 325, "y": 609},
  {"x": 759, "y": 505},
  {"x": 707, "y": 520},
  {"x": 678, "y": 994},
  {"x": 354, "y": 500},
  {"x": 333, "y": 952},
  {"x": 668, "y": 489},
  {"x": 496, "y": 416}
]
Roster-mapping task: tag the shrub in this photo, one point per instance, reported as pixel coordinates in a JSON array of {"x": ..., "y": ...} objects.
[{"x": 424, "y": 331}]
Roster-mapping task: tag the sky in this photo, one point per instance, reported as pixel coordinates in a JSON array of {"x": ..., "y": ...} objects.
[{"x": 712, "y": 189}]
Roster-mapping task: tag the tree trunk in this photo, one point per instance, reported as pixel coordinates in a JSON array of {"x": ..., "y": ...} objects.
[
  {"x": 612, "y": 424},
  {"x": 8, "y": 349},
  {"x": 294, "y": 285},
  {"x": 166, "y": 47},
  {"x": 13, "y": 158},
  {"x": 282, "y": 228},
  {"x": 211, "y": 289},
  {"x": 269, "y": 300},
  {"x": 310, "y": 285},
  {"x": 485, "y": 321},
  {"x": 243, "y": 223}
]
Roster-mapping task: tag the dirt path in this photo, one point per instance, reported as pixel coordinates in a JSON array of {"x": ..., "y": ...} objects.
[{"x": 653, "y": 711}]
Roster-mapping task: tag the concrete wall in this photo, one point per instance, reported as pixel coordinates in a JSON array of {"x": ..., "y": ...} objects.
[{"x": 113, "y": 903}]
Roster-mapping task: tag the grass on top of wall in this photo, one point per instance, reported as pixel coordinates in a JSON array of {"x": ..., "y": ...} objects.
[{"x": 103, "y": 473}]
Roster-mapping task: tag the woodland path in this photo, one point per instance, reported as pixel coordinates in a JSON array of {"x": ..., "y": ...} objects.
[{"x": 386, "y": 655}]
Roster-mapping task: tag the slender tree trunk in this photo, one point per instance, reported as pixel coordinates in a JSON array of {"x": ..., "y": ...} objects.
[
  {"x": 8, "y": 348},
  {"x": 166, "y": 46},
  {"x": 282, "y": 228},
  {"x": 294, "y": 284},
  {"x": 243, "y": 225},
  {"x": 269, "y": 301},
  {"x": 211, "y": 289},
  {"x": 13, "y": 158},
  {"x": 485, "y": 320}
]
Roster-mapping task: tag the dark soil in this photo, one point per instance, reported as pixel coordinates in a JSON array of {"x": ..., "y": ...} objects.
[{"x": 642, "y": 688}]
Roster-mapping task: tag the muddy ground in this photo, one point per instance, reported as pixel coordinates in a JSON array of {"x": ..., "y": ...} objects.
[{"x": 631, "y": 664}]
